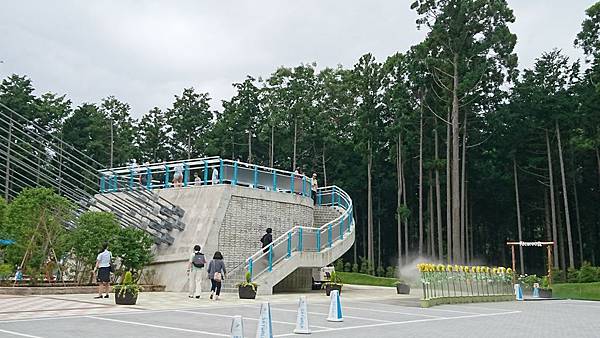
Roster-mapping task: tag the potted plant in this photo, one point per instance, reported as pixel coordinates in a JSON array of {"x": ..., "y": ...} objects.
[
  {"x": 545, "y": 289},
  {"x": 334, "y": 283},
  {"x": 247, "y": 288},
  {"x": 402, "y": 288},
  {"x": 127, "y": 292}
]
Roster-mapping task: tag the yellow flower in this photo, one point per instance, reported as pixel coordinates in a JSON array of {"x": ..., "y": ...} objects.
[
  {"x": 457, "y": 268},
  {"x": 449, "y": 268},
  {"x": 494, "y": 270},
  {"x": 478, "y": 269},
  {"x": 509, "y": 271},
  {"x": 441, "y": 267}
]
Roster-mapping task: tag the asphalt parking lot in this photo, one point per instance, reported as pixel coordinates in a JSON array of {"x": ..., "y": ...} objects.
[{"x": 380, "y": 317}]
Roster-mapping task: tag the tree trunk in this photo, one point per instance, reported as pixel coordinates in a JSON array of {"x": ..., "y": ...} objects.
[
  {"x": 378, "y": 230},
  {"x": 561, "y": 237},
  {"x": 431, "y": 220},
  {"x": 456, "y": 245},
  {"x": 565, "y": 199},
  {"x": 295, "y": 141},
  {"x": 399, "y": 197},
  {"x": 324, "y": 169},
  {"x": 448, "y": 199},
  {"x": 552, "y": 200},
  {"x": 577, "y": 220},
  {"x": 467, "y": 235},
  {"x": 598, "y": 162},
  {"x": 438, "y": 203},
  {"x": 519, "y": 229},
  {"x": 547, "y": 222},
  {"x": 370, "y": 252},
  {"x": 421, "y": 179},
  {"x": 463, "y": 163},
  {"x": 405, "y": 220}
]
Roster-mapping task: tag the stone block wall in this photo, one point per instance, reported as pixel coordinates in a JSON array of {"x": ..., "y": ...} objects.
[{"x": 247, "y": 218}]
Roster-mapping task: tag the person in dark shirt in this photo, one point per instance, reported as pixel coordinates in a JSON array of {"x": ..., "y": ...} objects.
[{"x": 267, "y": 239}]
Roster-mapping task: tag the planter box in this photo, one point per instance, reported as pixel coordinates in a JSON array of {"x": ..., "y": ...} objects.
[
  {"x": 403, "y": 289},
  {"x": 127, "y": 298},
  {"x": 545, "y": 293},
  {"x": 329, "y": 287},
  {"x": 246, "y": 292}
]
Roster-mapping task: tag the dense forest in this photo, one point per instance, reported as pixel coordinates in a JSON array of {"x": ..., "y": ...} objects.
[{"x": 448, "y": 149}]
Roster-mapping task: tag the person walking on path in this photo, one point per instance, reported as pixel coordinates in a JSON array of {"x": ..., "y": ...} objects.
[
  {"x": 178, "y": 177},
  {"x": 195, "y": 268},
  {"x": 215, "y": 176},
  {"x": 103, "y": 270},
  {"x": 216, "y": 274},
  {"x": 267, "y": 239}
]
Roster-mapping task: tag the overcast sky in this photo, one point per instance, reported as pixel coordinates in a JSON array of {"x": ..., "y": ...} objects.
[{"x": 144, "y": 53}]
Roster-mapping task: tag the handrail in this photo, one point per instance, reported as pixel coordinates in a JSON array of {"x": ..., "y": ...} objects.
[{"x": 288, "y": 235}]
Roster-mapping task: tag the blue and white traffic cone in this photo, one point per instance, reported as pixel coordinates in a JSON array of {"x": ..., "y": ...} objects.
[
  {"x": 518, "y": 292},
  {"x": 237, "y": 327},
  {"x": 536, "y": 292},
  {"x": 302, "y": 326},
  {"x": 265, "y": 325},
  {"x": 335, "y": 307}
]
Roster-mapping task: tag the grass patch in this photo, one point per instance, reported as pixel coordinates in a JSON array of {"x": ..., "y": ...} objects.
[
  {"x": 585, "y": 291},
  {"x": 362, "y": 279}
]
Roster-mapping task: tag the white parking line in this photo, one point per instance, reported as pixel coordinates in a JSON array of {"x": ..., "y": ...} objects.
[
  {"x": 327, "y": 314},
  {"x": 160, "y": 326},
  {"x": 423, "y": 309},
  {"x": 386, "y": 311},
  {"x": 403, "y": 322},
  {"x": 245, "y": 318},
  {"x": 19, "y": 334}
]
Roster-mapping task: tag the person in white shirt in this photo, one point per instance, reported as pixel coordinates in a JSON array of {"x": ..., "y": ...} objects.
[
  {"x": 314, "y": 186},
  {"x": 103, "y": 270},
  {"x": 197, "y": 180},
  {"x": 215, "y": 176}
]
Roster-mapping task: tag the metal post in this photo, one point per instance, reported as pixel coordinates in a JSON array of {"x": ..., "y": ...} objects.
[
  {"x": 289, "y": 245},
  {"x": 167, "y": 179},
  {"x": 333, "y": 196},
  {"x": 319, "y": 198},
  {"x": 274, "y": 181},
  {"x": 341, "y": 228},
  {"x": 318, "y": 240},
  {"x": 271, "y": 257},
  {"x": 148, "y": 178},
  {"x": 205, "y": 173},
  {"x": 549, "y": 251},
  {"x": 250, "y": 264},
  {"x": 512, "y": 248},
  {"x": 186, "y": 174},
  {"x": 292, "y": 183},
  {"x": 235, "y": 173},
  {"x": 131, "y": 179},
  {"x": 220, "y": 171},
  {"x": 255, "y": 184},
  {"x": 329, "y": 235},
  {"x": 115, "y": 183},
  {"x": 303, "y": 185},
  {"x": 300, "y": 244},
  {"x": 102, "y": 183}
]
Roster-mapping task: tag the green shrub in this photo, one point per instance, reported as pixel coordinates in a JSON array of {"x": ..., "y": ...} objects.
[
  {"x": 127, "y": 285},
  {"x": 347, "y": 267},
  {"x": 390, "y": 272},
  {"x": 355, "y": 267},
  {"x": 588, "y": 273},
  {"x": 6, "y": 271},
  {"x": 528, "y": 281},
  {"x": 572, "y": 275},
  {"x": 380, "y": 271},
  {"x": 248, "y": 281},
  {"x": 339, "y": 265}
]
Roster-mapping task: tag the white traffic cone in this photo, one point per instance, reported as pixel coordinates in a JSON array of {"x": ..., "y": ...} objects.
[
  {"x": 237, "y": 327},
  {"x": 302, "y": 317},
  {"x": 335, "y": 307},
  {"x": 265, "y": 325}
]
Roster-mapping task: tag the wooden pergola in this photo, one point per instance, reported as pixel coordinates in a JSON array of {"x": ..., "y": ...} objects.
[{"x": 548, "y": 246}]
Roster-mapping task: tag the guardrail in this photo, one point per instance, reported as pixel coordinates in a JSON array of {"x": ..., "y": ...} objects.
[
  {"x": 306, "y": 239},
  {"x": 204, "y": 171}
]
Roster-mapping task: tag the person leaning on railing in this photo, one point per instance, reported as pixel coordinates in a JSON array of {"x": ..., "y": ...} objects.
[{"x": 314, "y": 186}]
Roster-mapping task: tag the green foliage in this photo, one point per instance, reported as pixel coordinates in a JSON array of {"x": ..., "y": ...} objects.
[
  {"x": 127, "y": 278},
  {"x": 355, "y": 267},
  {"x": 390, "y": 272},
  {"x": 133, "y": 247},
  {"x": 339, "y": 265},
  {"x": 528, "y": 281},
  {"x": 248, "y": 281},
  {"x": 127, "y": 285},
  {"x": 584, "y": 291},
  {"x": 6, "y": 271},
  {"x": 363, "y": 279},
  {"x": 335, "y": 279},
  {"x": 35, "y": 219},
  {"x": 588, "y": 273},
  {"x": 347, "y": 267},
  {"x": 380, "y": 271},
  {"x": 93, "y": 229}
]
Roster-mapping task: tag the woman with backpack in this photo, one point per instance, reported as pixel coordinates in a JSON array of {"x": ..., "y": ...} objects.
[
  {"x": 216, "y": 273},
  {"x": 195, "y": 268}
]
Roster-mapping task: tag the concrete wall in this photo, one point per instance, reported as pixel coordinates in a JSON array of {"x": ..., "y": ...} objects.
[{"x": 227, "y": 218}]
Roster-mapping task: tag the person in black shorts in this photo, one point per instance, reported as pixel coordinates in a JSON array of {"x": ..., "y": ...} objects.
[{"x": 103, "y": 270}]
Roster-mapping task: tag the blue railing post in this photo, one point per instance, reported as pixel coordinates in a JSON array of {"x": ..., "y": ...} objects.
[
  {"x": 319, "y": 198},
  {"x": 131, "y": 173},
  {"x": 148, "y": 178},
  {"x": 341, "y": 228},
  {"x": 349, "y": 221},
  {"x": 274, "y": 181},
  {"x": 271, "y": 257},
  {"x": 255, "y": 184},
  {"x": 250, "y": 265},
  {"x": 220, "y": 171},
  {"x": 102, "y": 183},
  {"x": 115, "y": 183},
  {"x": 333, "y": 196},
  {"x": 289, "y": 245},
  {"x": 205, "y": 172},
  {"x": 235, "y": 173},
  {"x": 300, "y": 244},
  {"x": 318, "y": 240},
  {"x": 329, "y": 235},
  {"x": 167, "y": 178},
  {"x": 186, "y": 174},
  {"x": 303, "y": 185},
  {"x": 292, "y": 183}
]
